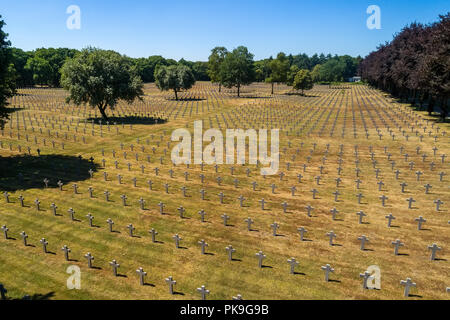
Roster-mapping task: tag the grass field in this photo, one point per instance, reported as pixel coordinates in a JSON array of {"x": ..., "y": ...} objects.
[{"x": 325, "y": 117}]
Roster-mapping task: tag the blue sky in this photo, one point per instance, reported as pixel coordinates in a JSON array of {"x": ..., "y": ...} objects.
[{"x": 190, "y": 29}]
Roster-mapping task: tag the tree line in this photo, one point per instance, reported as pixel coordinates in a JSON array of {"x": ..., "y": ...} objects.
[
  {"x": 414, "y": 66},
  {"x": 101, "y": 78}
]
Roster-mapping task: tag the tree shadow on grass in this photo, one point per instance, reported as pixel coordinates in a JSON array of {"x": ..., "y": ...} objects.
[
  {"x": 28, "y": 172},
  {"x": 138, "y": 120},
  {"x": 181, "y": 99}
]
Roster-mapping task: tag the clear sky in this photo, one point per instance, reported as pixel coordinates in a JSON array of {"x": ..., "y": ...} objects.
[{"x": 190, "y": 29}]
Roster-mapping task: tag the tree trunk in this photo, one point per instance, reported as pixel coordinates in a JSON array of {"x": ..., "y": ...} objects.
[
  {"x": 220, "y": 87},
  {"x": 430, "y": 106},
  {"x": 272, "y": 87},
  {"x": 176, "y": 94},
  {"x": 102, "y": 112},
  {"x": 444, "y": 108},
  {"x": 239, "y": 89}
]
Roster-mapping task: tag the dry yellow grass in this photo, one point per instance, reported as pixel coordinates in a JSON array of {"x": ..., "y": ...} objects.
[{"x": 307, "y": 120}]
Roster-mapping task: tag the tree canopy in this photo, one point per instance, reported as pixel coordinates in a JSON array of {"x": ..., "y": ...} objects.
[
  {"x": 415, "y": 65},
  {"x": 101, "y": 78},
  {"x": 215, "y": 61},
  {"x": 7, "y": 73},
  {"x": 303, "y": 80},
  {"x": 279, "y": 69},
  {"x": 174, "y": 77},
  {"x": 237, "y": 69}
]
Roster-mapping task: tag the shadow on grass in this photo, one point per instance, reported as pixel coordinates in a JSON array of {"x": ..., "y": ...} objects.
[
  {"x": 144, "y": 120},
  {"x": 28, "y": 172},
  {"x": 186, "y": 99},
  {"x": 300, "y": 94}
]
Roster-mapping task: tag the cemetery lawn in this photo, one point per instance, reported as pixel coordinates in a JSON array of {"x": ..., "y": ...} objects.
[{"x": 325, "y": 116}]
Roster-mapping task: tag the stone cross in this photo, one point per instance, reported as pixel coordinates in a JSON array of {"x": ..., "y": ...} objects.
[
  {"x": 66, "y": 252},
  {"x": 24, "y": 238},
  {"x": 332, "y": 236},
  {"x": 71, "y": 214},
  {"x": 171, "y": 283},
  {"x": 403, "y": 185},
  {"x": 142, "y": 203},
  {"x": 334, "y": 212},
  {"x": 397, "y": 244},
  {"x": 336, "y": 195},
  {"x": 249, "y": 222},
  {"x": 110, "y": 223},
  {"x": 202, "y": 214},
  {"x": 230, "y": 251},
  {"x": 408, "y": 284},
  {"x": 225, "y": 218},
  {"x": 438, "y": 203},
  {"x": 89, "y": 258},
  {"x": 327, "y": 268},
  {"x": 434, "y": 248},
  {"x": 241, "y": 200},
  {"x": 161, "y": 208},
  {"x": 114, "y": 266},
  {"x": 91, "y": 218},
  {"x": 5, "y": 232},
  {"x": 284, "y": 205},
  {"x": 263, "y": 202},
  {"x": 383, "y": 200},
  {"x": 361, "y": 215},
  {"x": 309, "y": 209},
  {"x": 293, "y": 263},
  {"x": 153, "y": 233},
  {"x": 181, "y": 210},
  {"x": 142, "y": 275},
  {"x": 420, "y": 221},
  {"x": 130, "y": 229},
  {"x": 261, "y": 257},
  {"x": 124, "y": 200},
  {"x": 274, "y": 227},
  {"x": 302, "y": 232},
  {"x": 203, "y": 291},
  {"x": 363, "y": 240},
  {"x": 366, "y": 276},
  {"x": 390, "y": 217},
  {"x": 44, "y": 243},
  {"x": 359, "y": 196},
  {"x": 410, "y": 202},
  {"x": 203, "y": 246},
  {"x": 177, "y": 239},
  {"x": 221, "y": 196},
  {"x": 37, "y": 203}
]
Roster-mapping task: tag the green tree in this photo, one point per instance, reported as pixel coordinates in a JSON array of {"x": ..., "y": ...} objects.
[
  {"x": 24, "y": 76},
  {"x": 315, "y": 73},
  {"x": 7, "y": 74},
  {"x": 291, "y": 75},
  {"x": 303, "y": 80},
  {"x": 237, "y": 69},
  {"x": 174, "y": 77},
  {"x": 279, "y": 69},
  {"x": 101, "y": 78},
  {"x": 200, "y": 71},
  {"x": 214, "y": 62},
  {"x": 40, "y": 69},
  {"x": 262, "y": 70}
]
